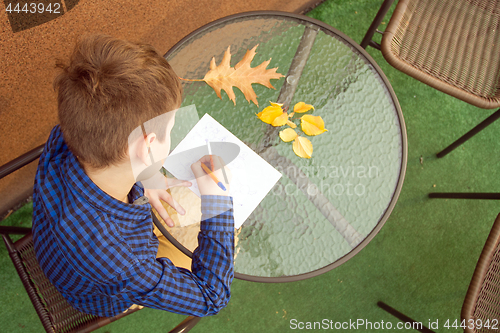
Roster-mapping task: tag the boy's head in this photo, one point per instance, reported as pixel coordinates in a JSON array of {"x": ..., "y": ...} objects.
[{"x": 108, "y": 89}]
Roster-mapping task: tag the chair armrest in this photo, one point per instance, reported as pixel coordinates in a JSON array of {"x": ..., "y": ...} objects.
[
  {"x": 8, "y": 230},
  {"x": 186, "y": 325},
  {"x": 21, "y": 161}
]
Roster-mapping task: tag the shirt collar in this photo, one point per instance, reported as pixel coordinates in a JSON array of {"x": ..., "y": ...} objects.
[{"x": 79, "y": 181}]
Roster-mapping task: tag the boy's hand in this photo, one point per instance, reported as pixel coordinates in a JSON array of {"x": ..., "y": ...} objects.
[
  {"x": 156, "y": 195},
  {"x": 206, "y": 184}
]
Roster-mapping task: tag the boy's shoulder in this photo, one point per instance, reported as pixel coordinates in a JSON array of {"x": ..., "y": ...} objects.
[{"x": 66, "y": 199}]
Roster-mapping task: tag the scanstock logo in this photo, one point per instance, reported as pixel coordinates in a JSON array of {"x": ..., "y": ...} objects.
[{"x": 26, "y": 14}]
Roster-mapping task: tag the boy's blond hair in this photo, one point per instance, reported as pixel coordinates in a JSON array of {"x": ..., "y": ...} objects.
[{"x": 109, "y": 88}]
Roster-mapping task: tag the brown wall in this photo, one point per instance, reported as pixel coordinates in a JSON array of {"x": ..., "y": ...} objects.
[{"x": 30, "y": 43}]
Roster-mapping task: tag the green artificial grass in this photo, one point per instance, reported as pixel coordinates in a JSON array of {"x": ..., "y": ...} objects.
[{"x": 420, "y": 263}]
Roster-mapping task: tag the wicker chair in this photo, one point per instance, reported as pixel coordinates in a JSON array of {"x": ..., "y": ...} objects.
[
  {"x": 450, "y": 45},
  {"x": 482, "y": 300},
  {"x": 56, "y": 314}
]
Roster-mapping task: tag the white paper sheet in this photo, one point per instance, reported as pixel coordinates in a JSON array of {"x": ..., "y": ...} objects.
[{"x": 252, "y": 176}]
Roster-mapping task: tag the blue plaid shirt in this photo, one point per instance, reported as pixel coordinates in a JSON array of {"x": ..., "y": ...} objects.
[{"x": 100, "y": 253}]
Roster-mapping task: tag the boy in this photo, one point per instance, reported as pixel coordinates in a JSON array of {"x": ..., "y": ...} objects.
[{"x": 92, "y": 227}]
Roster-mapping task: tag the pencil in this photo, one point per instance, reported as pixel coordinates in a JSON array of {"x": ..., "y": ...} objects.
[
  {"x": 223, "y": 171},
  {"x": 212, "y": 162},
  {"x": 210, "y": 153},
  {"x": 211, "y": 174}
]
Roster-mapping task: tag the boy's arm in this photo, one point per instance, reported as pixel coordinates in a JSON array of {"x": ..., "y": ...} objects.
[{"x": 206, "y": 289}]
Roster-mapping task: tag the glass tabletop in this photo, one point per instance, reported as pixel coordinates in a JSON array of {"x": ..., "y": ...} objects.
[{"x": 324, "y": 209}]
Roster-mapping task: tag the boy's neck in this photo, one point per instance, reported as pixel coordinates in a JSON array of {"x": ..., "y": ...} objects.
[{"x": 117, "y": 181}]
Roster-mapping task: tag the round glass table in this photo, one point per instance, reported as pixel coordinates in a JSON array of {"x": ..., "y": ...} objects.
[{"x": 324, "y": 209}]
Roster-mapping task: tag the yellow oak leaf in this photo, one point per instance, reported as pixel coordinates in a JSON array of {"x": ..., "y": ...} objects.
[
  {"x": 288, "y": 134},
  {"x": 312, "y": 125},
  {"x": 241, "y": 76},
  {"x": 302, "y": 147},
  {"x": 302, "y": 107}
]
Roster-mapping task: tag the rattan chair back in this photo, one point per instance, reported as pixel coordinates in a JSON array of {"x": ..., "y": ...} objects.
[
  {"x": 451, "y": 45},
  {"x": 482, "y": 301},
  {"x": 56, "y": 314}
]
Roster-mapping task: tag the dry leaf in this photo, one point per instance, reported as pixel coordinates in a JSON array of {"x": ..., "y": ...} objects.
[
  {"x": 288, "y": 134},
  {"x": 302, "y": 107},
  {"x": 312, "y": 125},
  {"x": 241, "y": 76},
  {"x": 275, "y": 115},
  {"x": 270, "y": 113},
  {"x": 280, "y": 120},
  {"x": 302, "y": 147}
]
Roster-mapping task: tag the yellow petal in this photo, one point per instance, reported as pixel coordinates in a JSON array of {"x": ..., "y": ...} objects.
[
  {"x": 280, "y": 120},
  {"x": 302, "y": 147},
  {"x": 276, "y": 104},
  {"x": 288, "y": 134},
  {"x": 270, "y": 113},
  {"x": 312, "y": 125},
  {"x": 291, "y": 124},
  {"x": 302, "y": 107}
]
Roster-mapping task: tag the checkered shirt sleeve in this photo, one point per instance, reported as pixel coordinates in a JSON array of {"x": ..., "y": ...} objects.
[{"x": 206, "y": 289}]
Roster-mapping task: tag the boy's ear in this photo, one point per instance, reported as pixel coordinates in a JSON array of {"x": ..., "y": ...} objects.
[{"x": 143, "y": 149}]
